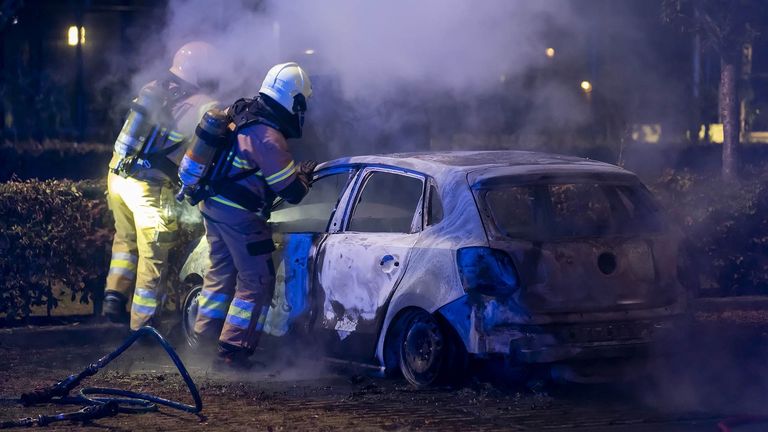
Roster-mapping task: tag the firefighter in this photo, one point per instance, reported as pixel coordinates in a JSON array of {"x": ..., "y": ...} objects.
[
  {"x": 239, "y": 284},
  {"x": 141, "y": 178}
]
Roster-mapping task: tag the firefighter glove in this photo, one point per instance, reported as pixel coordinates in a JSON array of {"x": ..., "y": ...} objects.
[
  {"x": 305, "y": 172},
  {"x": 307, "y": 168}
]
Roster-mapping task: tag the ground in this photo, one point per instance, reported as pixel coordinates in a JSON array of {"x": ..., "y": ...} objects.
[{"x": 716, "y": 374}]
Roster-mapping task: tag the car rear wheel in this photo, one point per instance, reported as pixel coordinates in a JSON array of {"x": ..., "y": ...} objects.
[
  {"x": 189, "y": 314},
  {"x": 428, "y": 353}
]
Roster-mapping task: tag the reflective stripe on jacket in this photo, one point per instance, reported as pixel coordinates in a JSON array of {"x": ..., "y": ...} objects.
[{"x": 258, "y": 146}]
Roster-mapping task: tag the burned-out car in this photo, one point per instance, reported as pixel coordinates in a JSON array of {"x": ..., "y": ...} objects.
[{"x": 415, "y": 262}]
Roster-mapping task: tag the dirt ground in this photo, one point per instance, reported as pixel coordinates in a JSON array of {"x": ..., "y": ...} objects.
[{"x": 719, "y": 372}]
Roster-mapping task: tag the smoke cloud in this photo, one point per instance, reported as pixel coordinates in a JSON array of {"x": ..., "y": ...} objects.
[{"x": 388, "y": 76}]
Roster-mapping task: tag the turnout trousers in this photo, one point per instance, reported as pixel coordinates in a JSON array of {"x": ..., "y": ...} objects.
[
  {"x": 145, "y": 230},
  {"x": 238, "y": 287}
]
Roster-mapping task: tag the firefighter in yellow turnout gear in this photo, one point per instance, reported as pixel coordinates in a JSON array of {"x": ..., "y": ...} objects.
[
  {"x": 141, "y": 187},
  {"x": 240, "y": 282}
]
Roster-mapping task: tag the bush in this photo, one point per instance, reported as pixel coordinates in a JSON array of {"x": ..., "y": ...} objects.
[
  {"x": 52, "y": 234},
  {"x": 56, "y": 235},
  {"x": 726, "y": 225},
  {"x": 53, "y": 159}
]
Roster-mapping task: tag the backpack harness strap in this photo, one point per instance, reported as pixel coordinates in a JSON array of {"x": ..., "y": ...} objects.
[
  {"x": 228, "y": 186},
  {"x": 159, "y": 160}
]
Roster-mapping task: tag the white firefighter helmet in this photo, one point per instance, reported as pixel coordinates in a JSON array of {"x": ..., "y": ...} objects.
[
  {"x": 191, "y": 62},
  {"x": 288, "y": 84}
]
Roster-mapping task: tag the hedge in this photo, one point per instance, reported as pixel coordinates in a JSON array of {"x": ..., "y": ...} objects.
[
  {"x": 56, "y": 235},
  {"x": 53, "y": 160},
  {"x": 52, "y": 234},
  {"x": 726, "y": 225}
]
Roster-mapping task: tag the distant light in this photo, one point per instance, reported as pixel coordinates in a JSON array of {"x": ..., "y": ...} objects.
[
  {"x": 309, "y": 52},
  {"x": 550, "y": 52},
  {"x": 72, "y": 38},
  {"x": 586, "y": 86},
  {"x": 15, "y": 20},
  {"x": 716, "y": 133},
  {"x": 647, "y": 133}
]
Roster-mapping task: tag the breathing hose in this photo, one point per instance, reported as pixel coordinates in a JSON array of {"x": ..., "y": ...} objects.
[{"x": 105, "y": 402}]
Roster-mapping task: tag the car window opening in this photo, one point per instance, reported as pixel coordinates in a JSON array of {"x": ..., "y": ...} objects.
[
  {"x": 387, "y": 203},
  {"x": 567, "y": 210},
  {"x": 316, "y": 209},
  {"x": 435, "y": 207}
]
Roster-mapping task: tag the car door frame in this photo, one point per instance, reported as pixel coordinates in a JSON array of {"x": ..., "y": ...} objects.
[
  {"x": 308, "y": 321},
  {"x": 340, "y": 223}
]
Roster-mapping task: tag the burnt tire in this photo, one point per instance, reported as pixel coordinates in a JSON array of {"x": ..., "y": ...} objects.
[
  {"x": 428, "y": 352},
  {"x": 189, "y": 314}
]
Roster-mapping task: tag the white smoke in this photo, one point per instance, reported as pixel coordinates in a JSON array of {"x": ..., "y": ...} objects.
[
  {"x": 380, "y": 67},
  {"x": 445, "y": 45},
  {"x": 370, "y": 46}
]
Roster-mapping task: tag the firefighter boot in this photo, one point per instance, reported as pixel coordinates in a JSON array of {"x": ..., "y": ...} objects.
[
  {"x": 114, "y": 307},
  {"x": 233, "y": 358}
]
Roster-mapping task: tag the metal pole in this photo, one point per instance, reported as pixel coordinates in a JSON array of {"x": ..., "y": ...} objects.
[
  {"x": 696, "y": 88},
  {"x": 80, "y": 108},
  {"x": 2, "y": 82}
]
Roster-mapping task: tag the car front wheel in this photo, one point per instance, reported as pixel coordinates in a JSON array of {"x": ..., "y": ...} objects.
[
  {"x": 428, "y": 353},
  {"x": 189, "y": 314}
]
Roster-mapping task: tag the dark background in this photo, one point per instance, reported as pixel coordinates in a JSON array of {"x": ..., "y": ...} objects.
[{"x": 51, "y": 90}]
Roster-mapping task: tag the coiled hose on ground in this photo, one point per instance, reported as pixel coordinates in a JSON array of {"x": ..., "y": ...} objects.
[{"x": 105, "y": 402}]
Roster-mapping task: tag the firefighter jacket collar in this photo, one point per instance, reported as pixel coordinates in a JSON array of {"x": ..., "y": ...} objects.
[{"x": 262, "y": 109}]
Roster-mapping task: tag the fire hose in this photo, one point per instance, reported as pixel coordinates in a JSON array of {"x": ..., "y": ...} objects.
[{"x": 103, "y": 402}]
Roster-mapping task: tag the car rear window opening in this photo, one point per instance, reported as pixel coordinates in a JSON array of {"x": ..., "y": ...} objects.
[{"x": 566, "y": 210}]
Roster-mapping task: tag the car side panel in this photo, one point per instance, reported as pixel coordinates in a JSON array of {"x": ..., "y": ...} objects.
[
  {"x": 198, "y": 261},
  {"x": 432, "y": 280},
  {"x": 357, "y": 274}
]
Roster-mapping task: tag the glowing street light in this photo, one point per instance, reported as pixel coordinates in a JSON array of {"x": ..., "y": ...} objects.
[
  {"x": 309, "y": 52},
  {"x": 72, "y": 36},
  {"x": 586, "y": 86},
  {"x": 72, "y": 39},
  {"x": 550, "y": 52}
]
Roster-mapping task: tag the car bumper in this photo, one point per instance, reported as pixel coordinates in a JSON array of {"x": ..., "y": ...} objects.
[{"x": 567, "y": 342}]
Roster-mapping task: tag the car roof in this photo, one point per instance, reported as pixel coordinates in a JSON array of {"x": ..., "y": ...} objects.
[{"x": 484, "y": 164}]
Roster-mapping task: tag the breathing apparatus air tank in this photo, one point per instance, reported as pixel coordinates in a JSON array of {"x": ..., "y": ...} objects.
[
  {"x": 139, "y": 123},
  {"x": 209, "y": 141}
]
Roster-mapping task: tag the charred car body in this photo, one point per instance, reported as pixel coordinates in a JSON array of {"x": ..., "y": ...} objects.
[{"x": 415, "y": 262}]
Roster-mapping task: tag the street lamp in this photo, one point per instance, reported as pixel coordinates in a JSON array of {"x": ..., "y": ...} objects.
[
  {"x": 72, "y": 39},
  {"x": 586, "y": 86},
  {"x": 550, "y": 52}
]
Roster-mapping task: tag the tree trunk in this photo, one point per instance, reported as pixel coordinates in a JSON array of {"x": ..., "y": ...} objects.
[{"x": 729, "y": 115}]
